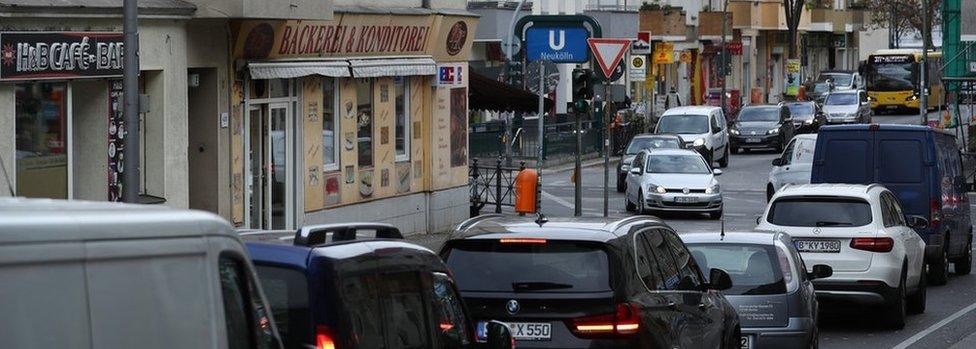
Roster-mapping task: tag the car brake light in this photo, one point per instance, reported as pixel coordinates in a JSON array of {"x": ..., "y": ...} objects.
[
  {"x": 935, "y": 213},
  {"x": 625, "y": 321},
  {"x": 323, "y": 338},
  {"x": 523, "y": 241},
  {"x": 873, "y": 244},
  {"x": 784, "y": 266}
]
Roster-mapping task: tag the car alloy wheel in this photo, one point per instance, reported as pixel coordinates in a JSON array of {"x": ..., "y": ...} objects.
[
  {"x": 897, "y": 307},
  {"x": 939, "y": 269},
  {"x": 964, "y": 265},
  {"x": 916, "y": 302},
  {"x": 640, "y": 203}
]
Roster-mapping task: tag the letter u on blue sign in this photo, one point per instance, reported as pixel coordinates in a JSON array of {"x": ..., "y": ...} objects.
[{"x": 557, "y": 44}]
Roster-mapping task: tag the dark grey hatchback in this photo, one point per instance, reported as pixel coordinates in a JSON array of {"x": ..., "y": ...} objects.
[{"x": 589, "y": 283}]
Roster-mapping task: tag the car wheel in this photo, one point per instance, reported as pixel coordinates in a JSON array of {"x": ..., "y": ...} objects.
[
  {"x": 896, "y": 311},
  {"x": 770, "y": 192},
  {"x": 641, "y": 202},
  {"x": 630, "y": 205},
  {"x": 964, "y": 265},
  {"x": 715, "y": 214},
  {"x": 815, "y": 338},
  {"x": 734, "y": 150},
  {"x": 725, "y": 159},
  {"x": 939, "y": 269},
  {"x": 916, "y": 302},
  {"x": 621, "y": 184}
]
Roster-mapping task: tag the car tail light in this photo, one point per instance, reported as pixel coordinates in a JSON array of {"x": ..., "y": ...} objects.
[
  {"x": 935, "y": 212},
  {"x": 625, "y": 321},
  {"x": 523, "y": 241},
  {"x": 784, "y": 266},
  {"x": 873, "y": 244},
  {"x": 324, "y": 338}
]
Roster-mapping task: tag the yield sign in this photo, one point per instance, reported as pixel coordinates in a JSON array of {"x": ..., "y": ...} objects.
[{"x": 608, "y": 52}]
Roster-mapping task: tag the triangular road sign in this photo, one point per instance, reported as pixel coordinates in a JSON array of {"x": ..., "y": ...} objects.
[{"x": 608, "y": 52}]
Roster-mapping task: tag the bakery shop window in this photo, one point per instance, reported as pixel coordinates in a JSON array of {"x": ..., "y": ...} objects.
[
  {"x": 401, "y": 88},
  {"x": 330, "y": 135},
  {"x": 364, "y": 121},
  {"x": 41, "y": 118}
]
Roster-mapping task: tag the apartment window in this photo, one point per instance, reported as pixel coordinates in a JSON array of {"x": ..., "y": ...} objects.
[
  {"x": 330, "y": 131},
  {"x": 364, "y": 120},
  {"x": 401, "y": 86},
  {"x": 41, "y": 140}
]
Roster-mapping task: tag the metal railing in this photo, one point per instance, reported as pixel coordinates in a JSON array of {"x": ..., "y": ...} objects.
[{"x": 492, "y": 186}]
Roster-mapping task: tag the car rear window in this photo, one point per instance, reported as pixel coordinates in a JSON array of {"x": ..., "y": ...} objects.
[
  {"x": 287, "y": 293},
  {"x": 754, "y": 269},
  {"x": 387, "y": 302},
  {"x": 532, "y": 266},
  {"x": 819, "y": 212}
]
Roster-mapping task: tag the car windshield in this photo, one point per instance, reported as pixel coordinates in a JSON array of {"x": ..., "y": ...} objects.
[
  {"x": 822, "y": 87},
  {"x": 687, "y": 164},
  {"x": 762, "y": 114},
  {"x": 838, "y": 79},
  {"x": 641, "y": 143},
  {"x": 801, "y": 110},
  {"x": 529, "y": 265},
  {"x": 683, "y": 124},
  {"x": 819, "y": 212},
  {"x": 841, "y": 99},
  {"x": 754, "y": 269}
]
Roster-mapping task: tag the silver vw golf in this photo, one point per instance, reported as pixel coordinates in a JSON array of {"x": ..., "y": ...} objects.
[
  {"x": 677, "y": 180},
  {"x": 771, "y": 289}
]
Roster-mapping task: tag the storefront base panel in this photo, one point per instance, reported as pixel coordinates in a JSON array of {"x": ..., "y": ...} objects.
[{"x": 413, "y": 214}]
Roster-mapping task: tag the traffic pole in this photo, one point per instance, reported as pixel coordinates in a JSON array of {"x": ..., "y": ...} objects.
[
  {"x": 578, "y": 169},
  {"x": 542, "y": 118},
  {"x": 130, "y": 100},
  {"x": 923, "y": 102},
  {"x": 606, "y": 149}
]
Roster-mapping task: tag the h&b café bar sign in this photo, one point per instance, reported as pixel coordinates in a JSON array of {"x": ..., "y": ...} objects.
[{"x": 59, "y": 55}]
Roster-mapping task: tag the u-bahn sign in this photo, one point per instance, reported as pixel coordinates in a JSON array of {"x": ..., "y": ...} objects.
[
  {"x": 60, "y": 55},
  {"x": 557, "y": 44}
]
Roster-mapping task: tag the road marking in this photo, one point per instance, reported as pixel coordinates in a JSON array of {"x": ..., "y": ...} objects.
[
  {"x": 558, "y": 200},
  {"x": 744, "y": 200},
  {"x": 918, "y": 336}
]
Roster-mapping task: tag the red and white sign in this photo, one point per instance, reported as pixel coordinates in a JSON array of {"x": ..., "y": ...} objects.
[{"x": 608, "y": 52}]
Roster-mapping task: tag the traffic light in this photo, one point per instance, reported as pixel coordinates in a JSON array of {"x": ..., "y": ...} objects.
[
  {"x": 582, "y": 84},
  {"x": 515, "y": 76},
  {"x": 581, "y": 106}
]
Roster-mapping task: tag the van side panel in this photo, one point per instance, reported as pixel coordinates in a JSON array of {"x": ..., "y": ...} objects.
[
  {"x": 906, "y": 168},
  {"x": 149, "y": 293},
  {"x": 42, "y": 287}
]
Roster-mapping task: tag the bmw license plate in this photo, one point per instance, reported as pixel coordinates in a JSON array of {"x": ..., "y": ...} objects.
[
  {"x": 818, "y": 246},
  {"x": 745, "y": 342},
  {"x": 685, "y": 199},
  {"x": 753, "y": 140},
  {"x": 521, "y": 331}
]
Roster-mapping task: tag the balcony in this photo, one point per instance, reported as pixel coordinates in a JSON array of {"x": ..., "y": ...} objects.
[
  {"x": 763, "y": 15},
  {"x": 836, "y": 21},
  {"x": 668, "y": 25},
  {"x": 710, "y": 25}
]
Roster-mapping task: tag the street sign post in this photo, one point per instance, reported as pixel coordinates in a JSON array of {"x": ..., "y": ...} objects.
[
  {"x": 607, "y": 53},
  {"x": 638, "y": 68}
]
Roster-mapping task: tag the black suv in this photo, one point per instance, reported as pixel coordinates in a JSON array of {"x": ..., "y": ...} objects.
[
  {"x": 589, "y": 283},
  {"x": 359, "y": 286}
]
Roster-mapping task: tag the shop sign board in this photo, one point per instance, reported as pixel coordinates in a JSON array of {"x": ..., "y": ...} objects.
[
  {"x": 734, "y": 48},
  {"x": 640, "y": 47},
  {"x": 792, "y": 77},
  {"x": 663, "y": 53},
  {"x": 60, "y": 55},
  {"x": 116, "y": 141},
  {"x": 450, "y": 75},
  {"x": 638, "y": 68},
  {"x": 557, "y": 44},
  {"x": 685, "y": 56}
]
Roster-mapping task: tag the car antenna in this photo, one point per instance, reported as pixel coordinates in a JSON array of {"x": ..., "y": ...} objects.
[
  {"x": 541, "y": 219},
  {"x": 722, "y": 234}
]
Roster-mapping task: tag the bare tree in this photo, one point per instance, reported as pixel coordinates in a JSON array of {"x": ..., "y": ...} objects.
[
  {"x": 903, "y": 16},
  {"x": 794, "y": 9}
]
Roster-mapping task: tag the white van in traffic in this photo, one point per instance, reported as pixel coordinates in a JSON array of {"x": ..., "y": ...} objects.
[{"x": 105, "y": 275}]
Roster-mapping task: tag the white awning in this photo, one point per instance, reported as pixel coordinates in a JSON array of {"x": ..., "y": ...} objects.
[
  {"x": 392, "y": 66},
  {"x": 287, "y": 70}
]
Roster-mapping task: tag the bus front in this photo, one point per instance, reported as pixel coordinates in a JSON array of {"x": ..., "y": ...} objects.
[{"x": 892, "y": 82}]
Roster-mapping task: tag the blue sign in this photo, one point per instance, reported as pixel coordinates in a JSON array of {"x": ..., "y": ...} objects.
[{"x": 557, "y": 44}]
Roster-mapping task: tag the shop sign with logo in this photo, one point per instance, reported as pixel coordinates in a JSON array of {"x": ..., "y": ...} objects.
[
  {"x": 663, "y": 53},
  {"x": 59, "y": 55},
  {"x": 450, "y": 75},
  {"x": 840, "y": 41},
  {"x": 792, "y": 77},
  {"x": 734, "y": 48},
  {"x": 640, "y": 47},
  {"x": 684, "y": 56}
]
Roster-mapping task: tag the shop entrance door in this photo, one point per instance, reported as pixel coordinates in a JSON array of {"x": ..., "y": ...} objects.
[{"x": 270, "y": 185}]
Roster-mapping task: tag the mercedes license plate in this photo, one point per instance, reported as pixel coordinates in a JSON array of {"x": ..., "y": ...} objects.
[
  {"x": 521, "y": 331},
  {"x": 753, "y": 140},
  {"x": 745, "y": 342},
  {"x": 685, "y": 199},
  {"x": 818, "y": 246}
]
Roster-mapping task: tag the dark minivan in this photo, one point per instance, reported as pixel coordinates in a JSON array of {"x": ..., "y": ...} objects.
[
  {"x": 922, "y": 166},
  {"x": 590, "y": 283},
  {"x": 360, "y": 286}
]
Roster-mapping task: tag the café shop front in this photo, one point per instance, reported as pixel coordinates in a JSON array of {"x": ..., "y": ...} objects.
[{"x": 361, "y": 118}]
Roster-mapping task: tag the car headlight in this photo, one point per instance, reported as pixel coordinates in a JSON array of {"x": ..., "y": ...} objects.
[
  {"x": 912, "y": 98},
  {"x": 773, "y": 131},
  {"x": 734, "y": 131},
  {"x": 713, "y": 189},
  {"x": 624, "y": 167},
  {"x": 657, "y": 189},
  {"x": 808, "y": 122},
  {"x": 699, "y": 142}
]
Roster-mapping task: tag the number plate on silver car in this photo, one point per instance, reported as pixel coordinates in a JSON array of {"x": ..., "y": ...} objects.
[{"x": 818, "y": 246}]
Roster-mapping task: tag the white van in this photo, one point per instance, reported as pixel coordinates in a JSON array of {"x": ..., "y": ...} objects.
[{"x": 106, "y": 275}]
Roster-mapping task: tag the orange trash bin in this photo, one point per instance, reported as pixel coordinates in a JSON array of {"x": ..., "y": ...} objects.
[{"x": 526, "y": 184}]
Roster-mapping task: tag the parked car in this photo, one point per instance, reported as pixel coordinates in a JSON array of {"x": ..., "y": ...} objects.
[
  {"x": 793, "y": 166},
  {"x": 673, "y": 180},
  {"x": 701, "y": 128},
  {"x": 82, "y": 274},
  {"x": 862, "y": 233},
  {"x": 841, "y": 79},
  {"x": 762, "y": 126},
  {"x": 847, "y": 107},
  {"x": 642, "y": 142},
  {"x": 923, "y": 167},
  {"x": 807, "y": 116},
  {"x": 359, "y": 285},
  {"x": 772, "y": 290},
  {"x": 589, "y": 283}
]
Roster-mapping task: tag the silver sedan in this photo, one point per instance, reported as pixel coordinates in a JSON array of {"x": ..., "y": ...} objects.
[{"x": 673, "y": 180}]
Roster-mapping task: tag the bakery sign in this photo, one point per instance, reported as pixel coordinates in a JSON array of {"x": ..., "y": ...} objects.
[{"x": 60, "y": 55}]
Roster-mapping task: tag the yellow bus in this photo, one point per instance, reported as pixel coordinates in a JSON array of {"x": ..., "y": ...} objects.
[{"x": 893, "y": 79}]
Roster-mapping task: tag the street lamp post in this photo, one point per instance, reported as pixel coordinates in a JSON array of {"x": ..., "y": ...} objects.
[
  {"x": 725, "y": 53},
  {"x": 923, "y": 102}
]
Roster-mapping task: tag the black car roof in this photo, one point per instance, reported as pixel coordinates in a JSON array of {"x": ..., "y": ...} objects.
[{"x": 578, "y": 229}]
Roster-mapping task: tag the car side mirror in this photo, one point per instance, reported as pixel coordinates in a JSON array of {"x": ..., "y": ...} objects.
[
  {"x": 716, "y": 172},
  {"x": 778, "y": 162},
  {"x": 499, "y": 336},
  {"x": 635, "y": 170},
  {"x": 917, "y": 222},
  {"x": 719, "y": 280},
  {"x": 758, "y": 220},
  {"x": 716, "y": 129},
  {"x": 820, "y": 271}
]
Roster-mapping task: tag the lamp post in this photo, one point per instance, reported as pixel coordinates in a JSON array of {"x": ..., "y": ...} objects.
[{"x": 725, "y": 54}]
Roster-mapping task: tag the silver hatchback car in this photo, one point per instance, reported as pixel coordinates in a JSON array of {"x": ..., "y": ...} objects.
[
  {"x": 676, "y": 180},
  {"x": 771, "y": 290}
]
